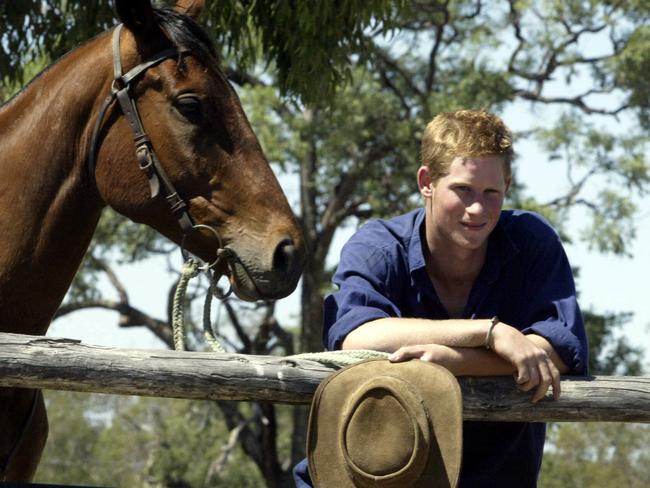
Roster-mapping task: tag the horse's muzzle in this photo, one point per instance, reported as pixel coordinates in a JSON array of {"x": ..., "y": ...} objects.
[{"x": 251, "y": 282}]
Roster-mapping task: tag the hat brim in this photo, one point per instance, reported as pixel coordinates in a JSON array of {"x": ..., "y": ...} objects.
[{"x": 441, "y": 397}]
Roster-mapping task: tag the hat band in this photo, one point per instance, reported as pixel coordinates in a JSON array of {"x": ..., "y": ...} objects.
[{"x": 413, "y": 405}]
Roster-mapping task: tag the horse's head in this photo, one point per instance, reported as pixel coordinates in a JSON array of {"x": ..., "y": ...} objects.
[{"x": 206, "y": 148}]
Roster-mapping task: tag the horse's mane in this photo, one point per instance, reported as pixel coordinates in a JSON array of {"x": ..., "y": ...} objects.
[
  {"x": 183, "y": 32},
  {"x": 186, "y": 35}
]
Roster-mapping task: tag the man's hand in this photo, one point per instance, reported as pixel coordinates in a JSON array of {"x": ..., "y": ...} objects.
[
  {"x": 533, "y": 365},
  {"x": 512, "y": 353},
  {"x": 433, "y": 353}
]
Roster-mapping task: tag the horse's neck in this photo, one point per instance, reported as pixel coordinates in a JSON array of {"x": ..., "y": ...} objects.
[{"x": 47, "y": 211}]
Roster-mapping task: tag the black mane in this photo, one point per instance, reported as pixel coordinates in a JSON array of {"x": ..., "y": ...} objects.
[{"x": 187, "y": 35}]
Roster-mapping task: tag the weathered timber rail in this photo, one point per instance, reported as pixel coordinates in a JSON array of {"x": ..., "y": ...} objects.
[{"x": 66, "y": 364}]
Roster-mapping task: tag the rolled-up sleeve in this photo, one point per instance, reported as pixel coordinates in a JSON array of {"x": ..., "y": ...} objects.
[
  {"x": 553, "y": 311},
  {"x": 365, "y": 275}
]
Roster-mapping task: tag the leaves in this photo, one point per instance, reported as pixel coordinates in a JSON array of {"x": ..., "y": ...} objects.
[
  {"x": 611, "y": 227},
  {"x": 609, "y": 352},
  {"x": 124, "y": 441},
  {"x": 631, "y": 70},
  {"x": 598, "y": 455},
  {"x": 600, "y": 162}
]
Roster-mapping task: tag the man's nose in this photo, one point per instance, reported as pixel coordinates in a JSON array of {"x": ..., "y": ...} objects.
[{"x": 476, "y": 207}]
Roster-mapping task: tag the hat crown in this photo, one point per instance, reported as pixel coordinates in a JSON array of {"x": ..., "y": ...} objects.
[
  {"x": 394, "y": 451},
  {"x": 387, "y": 446}
]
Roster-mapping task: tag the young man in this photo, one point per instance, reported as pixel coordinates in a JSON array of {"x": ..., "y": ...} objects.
[{"x": 466, "y": 285}]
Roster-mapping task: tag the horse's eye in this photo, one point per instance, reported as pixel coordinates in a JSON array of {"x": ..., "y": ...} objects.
[{"x": 190, "y": 107}]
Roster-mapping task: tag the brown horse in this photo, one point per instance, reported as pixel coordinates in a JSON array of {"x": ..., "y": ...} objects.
[{"x": 64, "y": 155}]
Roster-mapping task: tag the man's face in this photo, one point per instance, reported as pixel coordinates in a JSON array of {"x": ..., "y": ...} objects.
[{"x": 465, "y": 205}]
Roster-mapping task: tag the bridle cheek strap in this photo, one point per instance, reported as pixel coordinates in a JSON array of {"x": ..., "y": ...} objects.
[
  {"x": 147, "y": 160},
  {"x": 150, "y": 165}
]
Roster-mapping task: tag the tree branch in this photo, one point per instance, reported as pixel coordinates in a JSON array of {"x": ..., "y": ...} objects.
[
  {"x": 385, "y": 58},
  {"x": 388, "y": 83},
  {"x": 241, "y": 333},
  {"x": 576, "y": 101},
  {"x": 307, "y": 182},
  {"x": 129, "y": 316},
  {"x": 570, "y": 197},
  {"x": 112, "y": 277},
  {"x": 431, "y": 72},
  {"x": 220, "y": 463},
  {"x": 329, "y": 223}
]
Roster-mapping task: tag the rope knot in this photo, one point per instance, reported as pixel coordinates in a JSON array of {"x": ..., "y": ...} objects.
[{"x": 190, "y": 268}]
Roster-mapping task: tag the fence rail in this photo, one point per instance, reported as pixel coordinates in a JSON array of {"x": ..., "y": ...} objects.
[{"x": 67, "y": 364}]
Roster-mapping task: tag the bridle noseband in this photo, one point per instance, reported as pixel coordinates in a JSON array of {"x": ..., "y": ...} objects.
[{"x": 147, "y": 159}]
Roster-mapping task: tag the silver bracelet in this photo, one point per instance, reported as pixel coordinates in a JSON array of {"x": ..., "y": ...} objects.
[{"x": 493, "y": 321}]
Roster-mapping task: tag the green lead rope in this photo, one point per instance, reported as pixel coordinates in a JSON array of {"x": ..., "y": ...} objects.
[{"x": 190, "y": 269}]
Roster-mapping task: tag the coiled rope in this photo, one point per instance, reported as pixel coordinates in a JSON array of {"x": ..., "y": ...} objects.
[{"x": 190, "y": 269}]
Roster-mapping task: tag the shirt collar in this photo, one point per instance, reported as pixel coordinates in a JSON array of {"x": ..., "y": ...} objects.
[
  {"x": 416, "y": 256},
  {"x": 501, "y": 249}
]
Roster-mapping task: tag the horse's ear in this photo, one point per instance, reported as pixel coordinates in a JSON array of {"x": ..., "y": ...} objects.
[
  {"x": 191, "y": 8},
  {"x": 136, "y": 15}
]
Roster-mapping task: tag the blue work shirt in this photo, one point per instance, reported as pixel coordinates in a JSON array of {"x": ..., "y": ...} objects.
[{"x": 526, "y": 281}]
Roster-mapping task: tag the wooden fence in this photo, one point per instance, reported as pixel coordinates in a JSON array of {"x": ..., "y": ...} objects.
[{"x": 66, "y": 364}]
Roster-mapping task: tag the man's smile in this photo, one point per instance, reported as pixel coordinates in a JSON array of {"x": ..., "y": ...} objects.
[{"x": 473, "y": 225}]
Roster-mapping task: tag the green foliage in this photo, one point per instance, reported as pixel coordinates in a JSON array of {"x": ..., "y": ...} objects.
[
  {"x": 137, "y": 442},
  {"x": 126, "y": 241},
  {"x": 358, "y": 136},
  {"x": 473, "y": 85},
  {"x": 631, "y": 70},
  {"x": 598, "y": 156},
  {"x": 310, "y": 43},
  {"x": 32, "y": 29},
  {"x": 10, "y": 85},
  {"x": 610, "y": 353},
  {"x": 596, "y": 455},
  {"x": 612, "y": 227},
  {"x": 75, "y": 446}
]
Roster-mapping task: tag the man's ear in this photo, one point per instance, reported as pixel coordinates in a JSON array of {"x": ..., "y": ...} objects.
[
  {"x": 136, "y": 15},
  {"x": 425, "y": 185},
  {"x": 508, "y": 181}
]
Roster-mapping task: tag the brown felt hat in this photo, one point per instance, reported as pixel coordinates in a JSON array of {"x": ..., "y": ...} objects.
[{"x": 386, "y": 425}]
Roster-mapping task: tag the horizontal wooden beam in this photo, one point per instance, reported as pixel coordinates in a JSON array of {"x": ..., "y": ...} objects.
[{"x": 66, "y": 364}]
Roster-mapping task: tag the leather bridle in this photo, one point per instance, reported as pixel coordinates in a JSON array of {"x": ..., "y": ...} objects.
[{"x": 147, "y": 159}]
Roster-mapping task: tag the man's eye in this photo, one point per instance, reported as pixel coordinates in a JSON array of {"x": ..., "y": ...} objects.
[
  {"x": 190, "y": 107},
  {"x": 463, "y": 188}
]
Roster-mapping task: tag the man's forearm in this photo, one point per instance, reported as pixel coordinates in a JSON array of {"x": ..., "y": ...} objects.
[
  {"x": 465, "y": 361},
  {"x": 389, "y": 334}
]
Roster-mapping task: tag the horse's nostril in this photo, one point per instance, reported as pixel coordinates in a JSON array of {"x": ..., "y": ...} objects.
[{"x": 284, "y": 255}]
